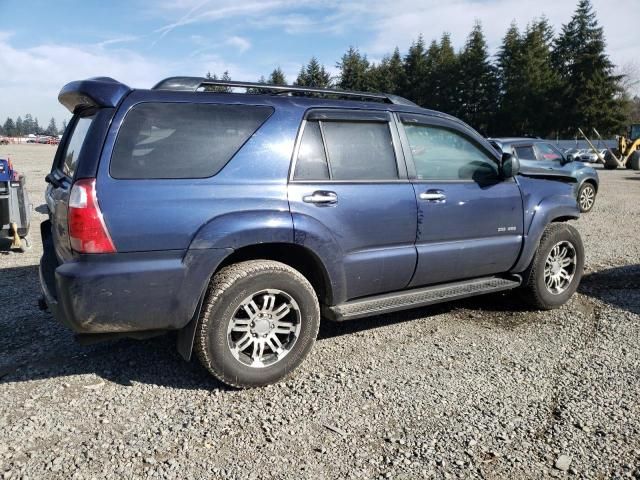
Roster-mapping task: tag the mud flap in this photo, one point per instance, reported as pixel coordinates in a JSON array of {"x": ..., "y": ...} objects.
[{"x": 187, "y": 334}]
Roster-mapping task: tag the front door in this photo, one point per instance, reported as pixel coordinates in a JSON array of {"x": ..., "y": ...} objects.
[
  {"x": 351, "y": 201},
  {"x": 470, "y": 221}
]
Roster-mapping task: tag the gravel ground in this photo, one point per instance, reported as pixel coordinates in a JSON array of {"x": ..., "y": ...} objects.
[{"x": 477, "y": 389}]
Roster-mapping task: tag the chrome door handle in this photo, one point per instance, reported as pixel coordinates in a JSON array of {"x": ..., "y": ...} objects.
[
  {"x": 433, "y": 196},
  {"x": 321, "y": 198}
]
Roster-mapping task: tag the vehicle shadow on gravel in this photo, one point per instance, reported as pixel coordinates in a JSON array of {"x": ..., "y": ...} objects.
[
  {"x": 34, "y": 346},
  {"x": 617, "y": 286}
]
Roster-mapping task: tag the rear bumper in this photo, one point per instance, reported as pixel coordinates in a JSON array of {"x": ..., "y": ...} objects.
[{"x": 126, "y": 292}]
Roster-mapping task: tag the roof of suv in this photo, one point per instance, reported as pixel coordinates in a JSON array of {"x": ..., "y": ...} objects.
[
  {"x": 504, "y": 140},
  {"x": 107, "y": 92}
]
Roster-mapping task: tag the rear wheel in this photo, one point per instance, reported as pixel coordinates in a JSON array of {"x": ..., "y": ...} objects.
[
  {"x": 586, "y": 197},
  {"x": 556, "y": 269},
  {"x": 634, "y": 161},
  {"x": 610, "y": 163},
  {"x": 259, "y": 321}
]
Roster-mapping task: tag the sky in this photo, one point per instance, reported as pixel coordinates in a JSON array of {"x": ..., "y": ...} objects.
[{"x": 44, "y": 45}]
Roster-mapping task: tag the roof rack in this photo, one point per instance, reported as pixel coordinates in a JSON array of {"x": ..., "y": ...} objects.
[{"x": 193, "y": 84}]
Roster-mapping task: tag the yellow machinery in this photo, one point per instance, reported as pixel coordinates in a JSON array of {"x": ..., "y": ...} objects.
[{"x": 628, "y": 151}]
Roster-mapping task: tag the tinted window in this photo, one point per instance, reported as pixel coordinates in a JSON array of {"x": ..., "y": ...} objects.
[
  {"x": 182, "y": 140},
  {"x": 72, "y": 150},
  {"x": 548, "y": 152},
  {"x": 525, "y": 153},
  {"x": 360, "y": 150},
  {"x": 312, "y": 161},
  {"x": 443, "y": 154}
]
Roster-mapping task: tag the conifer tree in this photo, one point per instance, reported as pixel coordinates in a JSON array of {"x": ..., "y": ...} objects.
[
  {"x": 354, "y": 71},
  {"x": 277, "y": 77},
  {"x": 313, "y": 75},
  {"x": 590, "y": 93},
  {"x": 478, "y": 85}
]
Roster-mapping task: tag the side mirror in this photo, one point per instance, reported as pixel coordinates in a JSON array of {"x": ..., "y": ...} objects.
[{"x": 509, "y": 166}]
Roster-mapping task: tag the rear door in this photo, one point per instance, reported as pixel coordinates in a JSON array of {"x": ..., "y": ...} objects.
[
  {"x": 60, "y": 180},
  {"x": 470, "y": 221},
  {"x": 348, "y": 189}
]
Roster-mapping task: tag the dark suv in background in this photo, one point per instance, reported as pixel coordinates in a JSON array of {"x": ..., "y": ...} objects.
[
  {"x": 239, "y": 219},
  {"x": 542, "y": 158}
]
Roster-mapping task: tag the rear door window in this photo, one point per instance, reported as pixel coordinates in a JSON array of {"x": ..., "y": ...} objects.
[
  {"x": 182, "y": 140},
  {"x": 525, "y": 152},
  {"x": 72, "y": 150},
  {"x": 312, "y": 159},
  {"x": 347, "y": 151}
]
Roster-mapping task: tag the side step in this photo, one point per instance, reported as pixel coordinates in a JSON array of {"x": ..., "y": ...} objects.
[{"x": 419, "y": 297}]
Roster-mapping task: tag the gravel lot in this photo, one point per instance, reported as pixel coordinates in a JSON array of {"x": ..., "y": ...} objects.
[{"x": 477, "y": 389}]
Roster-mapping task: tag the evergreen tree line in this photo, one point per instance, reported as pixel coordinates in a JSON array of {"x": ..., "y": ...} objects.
[
  {"x": 30, "y": 125},
  {"x": 538, "y": 83}
]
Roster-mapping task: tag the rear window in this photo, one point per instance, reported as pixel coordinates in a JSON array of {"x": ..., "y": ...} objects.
[
  {"x": 74, "y": 145},
  {"x": 182, "y": 140}
]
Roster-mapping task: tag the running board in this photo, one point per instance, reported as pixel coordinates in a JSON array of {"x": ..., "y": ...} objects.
[{"x": 419, "y": 297}]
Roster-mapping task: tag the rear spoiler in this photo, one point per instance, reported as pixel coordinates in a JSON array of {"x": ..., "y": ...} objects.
[{"x": 93, "y": 92}]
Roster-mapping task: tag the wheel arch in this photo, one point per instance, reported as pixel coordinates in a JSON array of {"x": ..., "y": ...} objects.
[{"x": 296, "y": 256}]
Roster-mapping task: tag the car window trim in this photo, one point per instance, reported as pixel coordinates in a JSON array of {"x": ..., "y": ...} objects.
[
  {"x": 436, "y": 122},
  {"x": 350, "y": 115}
]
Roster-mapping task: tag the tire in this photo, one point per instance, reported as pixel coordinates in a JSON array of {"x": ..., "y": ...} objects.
[
  {"x": 535, "y": 290},
  {"x": 226, "y": 323},
  {"x": 586, "y": 197},
  {"x": 25, "y": 244},
  {"x": 610, "y": 162},
  {"x": 634, "y": 161}
]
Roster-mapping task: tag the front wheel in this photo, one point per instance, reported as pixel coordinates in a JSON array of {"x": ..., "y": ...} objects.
[
  {"x": 586, "y": 197},
  {"x": 556, "y": 269},
  {"x": 259, "y": 321}
]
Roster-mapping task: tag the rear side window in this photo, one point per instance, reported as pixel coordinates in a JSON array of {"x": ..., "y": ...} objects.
[
  {"x": 182, "y": 140},
  {"x": 350, "y": 151},
  {"x": 525, "y": 153},
  {"x": 74, "y": 145}
]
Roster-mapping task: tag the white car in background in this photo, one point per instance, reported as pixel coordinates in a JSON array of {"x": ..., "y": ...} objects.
[{"x": 587, "y": 156}]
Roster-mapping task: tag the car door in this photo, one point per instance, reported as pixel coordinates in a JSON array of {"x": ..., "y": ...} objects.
[
  {"x": 350, "y": 197},
  {"x": 470, "y": 221},
  {"x": 549, "y": 156}
]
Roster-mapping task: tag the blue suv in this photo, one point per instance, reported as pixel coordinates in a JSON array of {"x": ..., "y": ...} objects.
[{"x": 239, "y": 219}]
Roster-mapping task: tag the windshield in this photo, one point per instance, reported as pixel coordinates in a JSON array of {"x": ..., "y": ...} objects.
[{"x": 635, "y": 131}]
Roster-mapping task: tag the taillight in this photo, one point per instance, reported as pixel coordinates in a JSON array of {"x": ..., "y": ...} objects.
[{"x": 87, "y": 231}]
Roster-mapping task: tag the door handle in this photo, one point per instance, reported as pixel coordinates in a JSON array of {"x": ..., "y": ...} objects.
[
  {"x": 321, "y": 198},
  {"x": 433, "y": 196}
]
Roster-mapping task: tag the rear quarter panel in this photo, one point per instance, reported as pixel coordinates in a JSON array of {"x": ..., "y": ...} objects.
[{"x": 144, "y": 215}]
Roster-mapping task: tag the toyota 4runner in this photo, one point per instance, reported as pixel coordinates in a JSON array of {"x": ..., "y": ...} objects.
[{"x": 239, "y": 219}]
